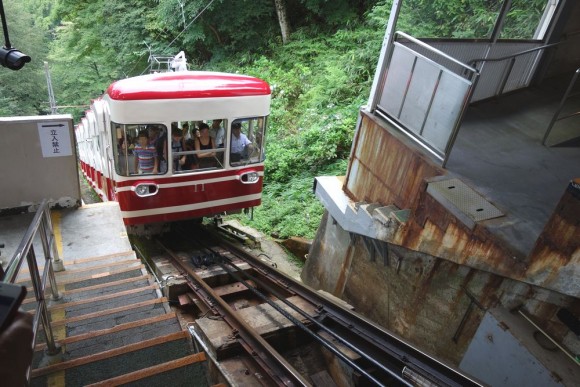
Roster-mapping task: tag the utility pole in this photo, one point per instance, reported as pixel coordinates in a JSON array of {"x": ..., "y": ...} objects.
[{"x": 51, "y": 99}]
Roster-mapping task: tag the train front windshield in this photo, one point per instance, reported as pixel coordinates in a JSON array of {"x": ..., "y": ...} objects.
[{"x": 188, "y": 146}]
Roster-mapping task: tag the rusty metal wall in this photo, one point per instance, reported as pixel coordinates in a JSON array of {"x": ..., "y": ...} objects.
[
  {"x": 422, "y": 298},
  {"x": 555, "y": 257},
  {"x": 386, "y": 169}
]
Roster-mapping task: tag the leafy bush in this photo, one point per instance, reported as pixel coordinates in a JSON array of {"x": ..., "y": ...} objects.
[
  {"x": 319, "y": 82},
  {"x": 290, "y": 208}
]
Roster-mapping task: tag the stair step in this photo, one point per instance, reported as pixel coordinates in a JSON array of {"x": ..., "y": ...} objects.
[
  {"x": 101, "y": 278},
  {"x": 71, "y": 274},
  {"x": 111, "y": 338},
  {"x": 112, "y": 317},
  {"x": 107, "y": 301},
  {"x": 117, "y": 328},
  {"x": 24, "y": 272},
  {"x": 93, "y": 279},
  {"x": 113, "y": 286},
  {"x": 156, "y": 375},
  {"x": 105, "y": 365},
  {"x": 92, "y": 292}
]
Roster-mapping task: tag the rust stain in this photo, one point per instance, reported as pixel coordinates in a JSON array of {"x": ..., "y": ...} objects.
[
  {"x": 559, "y": 242},
  {"x": 420, "y": 296},
  {"x": 391, "y": 171},
  {"x": 343, "y": 274}
]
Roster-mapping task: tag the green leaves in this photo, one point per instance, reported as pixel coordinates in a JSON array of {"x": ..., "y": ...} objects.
[{"x": 24, "y": 92}]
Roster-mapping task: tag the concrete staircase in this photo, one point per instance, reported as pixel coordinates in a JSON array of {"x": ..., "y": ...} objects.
[
  {"x": 372, "y": 220},
  {"x": 114, "y": 328}
]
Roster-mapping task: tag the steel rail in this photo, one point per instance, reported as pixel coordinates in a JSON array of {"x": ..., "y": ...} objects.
[
  {"x": 313, "y": 319},
  {"x": 271, "y": 361},
  {"x": 384, "y": 341},
  {"x": 308, "y": 331}
]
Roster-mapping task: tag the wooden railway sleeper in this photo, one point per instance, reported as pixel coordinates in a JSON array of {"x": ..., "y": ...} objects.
[
  {"x": 392, "y": 346},
  {"x": 279, "y": 370},
  {"x": 331, "y": 347}
]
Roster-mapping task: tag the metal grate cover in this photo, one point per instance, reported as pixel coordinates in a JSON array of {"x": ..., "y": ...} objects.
[{"x": 465, "y": 199}]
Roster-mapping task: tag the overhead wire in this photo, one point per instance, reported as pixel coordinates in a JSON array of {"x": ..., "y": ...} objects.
[{"x": 178, "y": 35}]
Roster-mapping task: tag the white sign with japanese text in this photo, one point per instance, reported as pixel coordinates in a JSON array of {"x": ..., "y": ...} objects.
[{"x": 54, "y": 139}]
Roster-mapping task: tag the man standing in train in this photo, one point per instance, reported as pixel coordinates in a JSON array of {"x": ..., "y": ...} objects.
[{"x": 241, "y": 145}]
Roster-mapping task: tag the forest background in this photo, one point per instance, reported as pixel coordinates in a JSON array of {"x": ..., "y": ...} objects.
[{"x": 319, "y": 57}]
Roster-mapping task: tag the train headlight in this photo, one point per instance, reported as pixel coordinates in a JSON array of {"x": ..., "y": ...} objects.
[
  {"x": 249, "y": 177},
  {"x": 146, "y": 189}
]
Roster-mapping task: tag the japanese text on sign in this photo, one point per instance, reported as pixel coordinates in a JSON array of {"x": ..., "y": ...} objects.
[{"x": 54, "y": 139}]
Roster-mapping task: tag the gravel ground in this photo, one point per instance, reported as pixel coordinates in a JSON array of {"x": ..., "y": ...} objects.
[
  {"x": 270, "y": 251},
  {"x": 88, "y": 194}
]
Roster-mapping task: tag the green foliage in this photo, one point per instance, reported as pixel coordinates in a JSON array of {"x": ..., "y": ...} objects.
[
  {"x": 290, "y": 208},
  {"x": 522, "y": 19},
  {"x": 24, "y": 92},
  {"x": 468, "y": 18},
  {"x": 319, "y": 79}
]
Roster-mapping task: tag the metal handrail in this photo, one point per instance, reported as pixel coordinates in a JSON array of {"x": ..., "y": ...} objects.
[
  {"x": 561, "y": 106},
  {"x": 42, "y": 223},
  {"x": 474, "y": 61},
  {"x": 438, "y": 52},
  {"x": 512, "y": 58}
]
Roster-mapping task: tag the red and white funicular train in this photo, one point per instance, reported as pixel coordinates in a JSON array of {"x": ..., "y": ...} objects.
[{"x": 181, "y": 169}]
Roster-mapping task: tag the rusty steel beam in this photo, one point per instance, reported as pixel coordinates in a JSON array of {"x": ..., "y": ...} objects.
[
  {"x": 279, "y": 370},
  {"x": 408, "y": 359}
]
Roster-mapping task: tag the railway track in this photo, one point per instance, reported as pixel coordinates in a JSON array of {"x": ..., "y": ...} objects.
[{"x": 368, "y": 354}]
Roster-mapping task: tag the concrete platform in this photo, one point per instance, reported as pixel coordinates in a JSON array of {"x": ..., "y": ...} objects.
[
  {"x": 499, "y": 153},
  {"x": 89, "y": 231},
  {"x": 110, "y": 321}
]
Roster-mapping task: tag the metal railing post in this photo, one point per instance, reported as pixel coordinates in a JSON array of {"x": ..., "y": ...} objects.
[
  {"x": 42, "y": 313},
  {"x": 561, "y": 106},
  {"x": 507, "y": 73},
  {"x": 57, "y": 263},
  {"x": 48, "y": 261},
  {"x": 41, "y": 223}
]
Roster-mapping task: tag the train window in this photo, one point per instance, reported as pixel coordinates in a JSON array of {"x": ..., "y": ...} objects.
[
  {"x": 197, "y": 146},
  {"x": 247, "y": 141},
  {"x": 133, "y": 157}
]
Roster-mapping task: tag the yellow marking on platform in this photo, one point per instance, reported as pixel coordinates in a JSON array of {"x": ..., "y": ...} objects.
[
  {"x": 57, "y": 379},
  {"x": 56, "y": 216},
  {"x": 60, "y": 331},
  {"x": 104, "y": 274}
]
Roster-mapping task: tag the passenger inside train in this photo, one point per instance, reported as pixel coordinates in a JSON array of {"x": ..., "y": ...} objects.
[
  {"x": 188, "y": 162},
  {"x": 205, "y": 152},
  {"x": 240, "y": 144},
  {"x": 205, "y": 143},
  {"x": 177, "y": 145},
  {"x": 146, "y": 160},
  {"x": 158, "y": 139},
  {"x": 217, "y": 132}
]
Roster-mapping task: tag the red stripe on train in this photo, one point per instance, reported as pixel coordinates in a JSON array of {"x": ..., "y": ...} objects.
[
  {"x": 185, "y": 195},
  {"x": 157, "y": 218},
  {"x": 160, "y": 179}
]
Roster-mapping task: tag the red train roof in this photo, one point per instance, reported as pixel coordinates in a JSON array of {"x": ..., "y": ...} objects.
[{"x": 187, "y": 84}]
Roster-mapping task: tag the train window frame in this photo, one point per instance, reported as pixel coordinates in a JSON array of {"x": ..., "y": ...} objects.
[
  {"x": 124, "y": 154},
  {"x": 219, "y": 152},
  {"x": 257, "y": 138}
]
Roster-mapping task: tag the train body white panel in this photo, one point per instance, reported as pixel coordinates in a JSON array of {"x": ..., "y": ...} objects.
[
  {"x": 137, "y": 112},
  {"x": 157, "y": 107}
]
